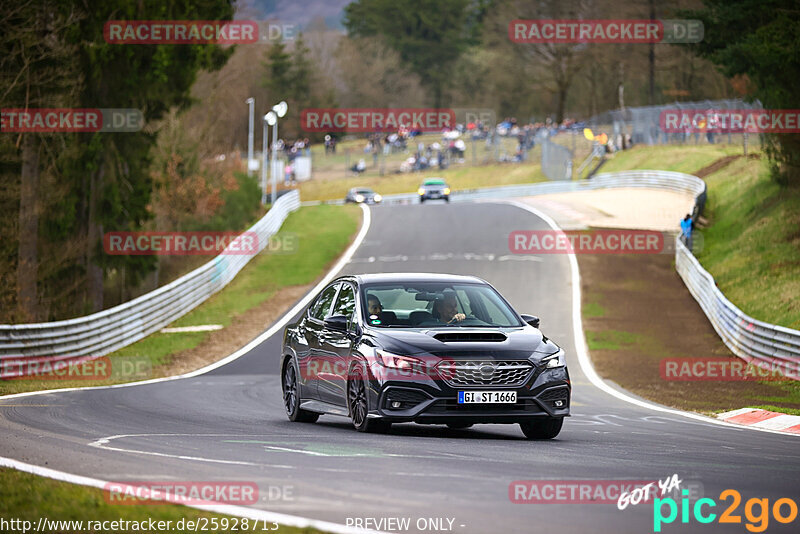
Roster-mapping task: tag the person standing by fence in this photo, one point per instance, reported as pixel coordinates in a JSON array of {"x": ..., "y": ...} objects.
[{"x": 686, "y": 231}]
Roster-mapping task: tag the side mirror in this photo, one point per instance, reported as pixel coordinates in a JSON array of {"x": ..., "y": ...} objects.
[
  {"x": 336, "y": 322},
  {"x": 531, "y": 320}
]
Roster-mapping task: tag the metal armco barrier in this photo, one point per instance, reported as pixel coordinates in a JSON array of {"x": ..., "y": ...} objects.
[
  {"x": 104, "y": 332},
  {"x": 748, "y": 338}
]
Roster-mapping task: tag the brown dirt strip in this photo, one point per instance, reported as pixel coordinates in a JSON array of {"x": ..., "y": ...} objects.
[{"x": 717, "y": 165}]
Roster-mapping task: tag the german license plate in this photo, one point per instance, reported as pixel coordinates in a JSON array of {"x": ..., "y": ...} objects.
[{"x": 487, "y": 397}]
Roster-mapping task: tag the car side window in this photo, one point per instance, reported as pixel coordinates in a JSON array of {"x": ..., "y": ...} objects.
[
  {"x": 346, "y": 302},
  {"x": 323, "y": 304}
]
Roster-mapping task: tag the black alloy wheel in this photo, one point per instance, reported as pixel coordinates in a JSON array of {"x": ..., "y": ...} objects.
[
  {"x": 291, "y": 396},
  {"x": 358, "y": 404}
]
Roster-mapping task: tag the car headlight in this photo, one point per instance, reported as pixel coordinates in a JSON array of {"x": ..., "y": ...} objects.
[
  {"x": 446, "y": 190},
  {"x": 421, "y": 191},
  {"x": 395, "y": 361},
  {"x": 359, "y": 198},
  {"x": 377, "y": 197},
  {"x": 554, "y": 361}
]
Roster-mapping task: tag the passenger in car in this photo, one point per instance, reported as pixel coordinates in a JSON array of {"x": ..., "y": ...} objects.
[{"x": 374, "y": 307}]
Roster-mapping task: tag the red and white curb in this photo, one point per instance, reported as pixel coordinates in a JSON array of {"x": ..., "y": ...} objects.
[{"x": 763, "y": 419}]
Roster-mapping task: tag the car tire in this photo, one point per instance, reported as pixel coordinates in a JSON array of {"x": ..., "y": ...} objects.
[
  {"x": 421, "y": 200},
  {"x": 447, "y": 199},
  {"x": 358, "y": 403},
  {"x": 543, "y": 429},
  {"x": 291, "y": 396},
  {"x": 459, "y": 426}
]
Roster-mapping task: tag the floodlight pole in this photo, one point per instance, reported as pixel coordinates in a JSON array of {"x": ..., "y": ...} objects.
[
  {"x": 251, "y": 102},
  {"x": 264, "y": 164}
]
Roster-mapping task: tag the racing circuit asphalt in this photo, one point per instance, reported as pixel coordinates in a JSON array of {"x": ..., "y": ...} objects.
[{"x": 229, "y": 424}]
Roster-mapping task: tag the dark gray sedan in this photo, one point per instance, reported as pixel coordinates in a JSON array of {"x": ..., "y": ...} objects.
[{"x": 423, "y": 348}]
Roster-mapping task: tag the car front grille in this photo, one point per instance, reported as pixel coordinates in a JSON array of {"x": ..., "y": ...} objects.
[{"x": 473, "y": 373}]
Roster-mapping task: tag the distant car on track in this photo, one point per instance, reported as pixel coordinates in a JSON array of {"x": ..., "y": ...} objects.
[
  {"x": 363, "y": 195},
  {"x": 424, "y": 348},
  {"x": 434, "y": 188}
]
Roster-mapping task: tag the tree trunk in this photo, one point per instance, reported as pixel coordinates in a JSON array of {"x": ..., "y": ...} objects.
[
  {"x": 95, "y": 231},
  {"x": 562, "y": 103},
  {"x": 28, "y": 257}
]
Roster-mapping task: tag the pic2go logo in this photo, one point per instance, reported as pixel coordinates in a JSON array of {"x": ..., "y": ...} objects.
[{"x": 757, "y": 521}]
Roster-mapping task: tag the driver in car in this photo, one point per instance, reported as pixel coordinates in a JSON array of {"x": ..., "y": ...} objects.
[{"x": 446, "y": 310}]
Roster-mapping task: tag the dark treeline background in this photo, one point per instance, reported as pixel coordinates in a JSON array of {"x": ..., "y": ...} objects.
[{"x": 60, "y": 192}]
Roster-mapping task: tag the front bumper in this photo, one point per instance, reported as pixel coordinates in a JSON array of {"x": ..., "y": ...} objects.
[
  {"x": 434, "y": 195},
  {"x": 547, "y": 393}
]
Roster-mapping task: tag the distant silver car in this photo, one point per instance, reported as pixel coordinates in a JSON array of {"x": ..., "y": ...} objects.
[
  {"x": 363, "y": 195},
  {"x": 434, "y": 188}
]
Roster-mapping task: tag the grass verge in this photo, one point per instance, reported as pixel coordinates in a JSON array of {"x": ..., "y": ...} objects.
[
  {"x": 752, "y": 244},
  {"x": 28, "y": 497},
  {"x": 457, "y": 178},
  {"x": 319, "y": 235},
  {"x": 678, "y": 158}
]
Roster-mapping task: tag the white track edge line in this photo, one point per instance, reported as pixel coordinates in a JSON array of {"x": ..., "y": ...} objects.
[
  {"x": 225, "y": 509},
  {"x": 582, "y": 350}
]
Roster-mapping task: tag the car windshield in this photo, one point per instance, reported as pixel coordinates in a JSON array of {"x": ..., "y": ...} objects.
[
  {"x": 364, "y": 192},
  {"x": 435, "y": 305},
  {"x": 433, "y": 182}
]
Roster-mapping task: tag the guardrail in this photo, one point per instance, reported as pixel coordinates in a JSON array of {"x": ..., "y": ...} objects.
[
  {"x": 748, "y": 338},
  {"x": 674, "y": 181},
  {"x": 101, "y": 333}
]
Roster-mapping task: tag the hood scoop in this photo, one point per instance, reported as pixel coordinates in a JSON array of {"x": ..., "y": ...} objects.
[{"x": 469, "y": 337}]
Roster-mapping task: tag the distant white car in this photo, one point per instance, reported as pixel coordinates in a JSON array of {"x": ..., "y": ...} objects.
[{"x": 363, "y": 195}]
